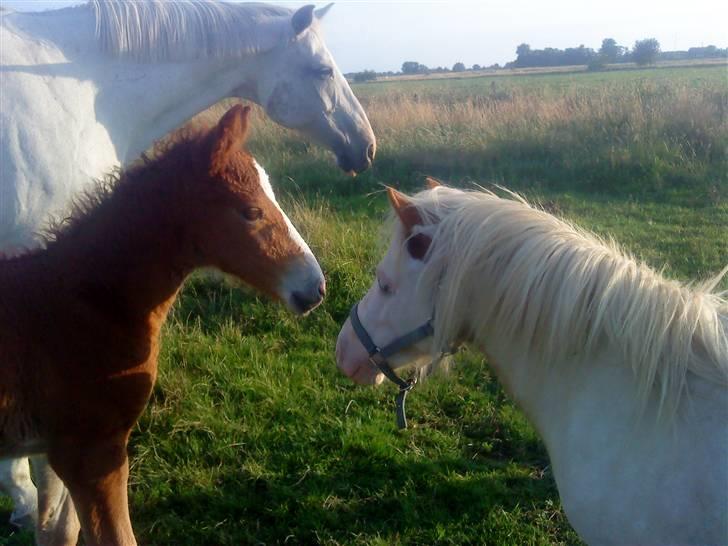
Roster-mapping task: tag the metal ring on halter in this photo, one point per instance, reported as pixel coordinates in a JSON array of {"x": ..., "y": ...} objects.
[{"x": 378, "y": 357}]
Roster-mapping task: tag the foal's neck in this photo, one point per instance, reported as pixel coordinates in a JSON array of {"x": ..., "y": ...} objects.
[{"x": 129, "y": 254}]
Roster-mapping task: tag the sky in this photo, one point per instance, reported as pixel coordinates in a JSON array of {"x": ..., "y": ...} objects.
[{"x": 381, "y": 35}]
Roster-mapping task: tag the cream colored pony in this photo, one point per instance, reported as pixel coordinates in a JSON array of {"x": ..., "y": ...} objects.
[{"x": 623, "y": 373}]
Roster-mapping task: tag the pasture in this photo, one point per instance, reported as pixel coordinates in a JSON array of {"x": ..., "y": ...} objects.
[{"x": 252, "y": 435}]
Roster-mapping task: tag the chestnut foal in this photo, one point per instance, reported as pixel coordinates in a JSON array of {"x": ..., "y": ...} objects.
[{"x": 80, "y": 319}]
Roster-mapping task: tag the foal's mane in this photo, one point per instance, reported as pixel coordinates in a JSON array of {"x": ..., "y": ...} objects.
[
  {"x": 151, "y": 184},
  {"x": 500, "y": 263},
  {"x": 156, "y": 30}
]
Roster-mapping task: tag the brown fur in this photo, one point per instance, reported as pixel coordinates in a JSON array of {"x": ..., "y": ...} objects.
[{"x": 80, "y": 319}]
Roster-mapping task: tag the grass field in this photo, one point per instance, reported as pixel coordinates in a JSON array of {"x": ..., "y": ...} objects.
[{"x": 253, "y": 437}]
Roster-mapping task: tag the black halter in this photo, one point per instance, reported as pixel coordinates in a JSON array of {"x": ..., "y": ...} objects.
[{"x": 378, "y": 357}]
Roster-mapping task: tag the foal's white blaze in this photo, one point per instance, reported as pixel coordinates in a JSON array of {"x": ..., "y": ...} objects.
[{"x": 304, "y": 279}]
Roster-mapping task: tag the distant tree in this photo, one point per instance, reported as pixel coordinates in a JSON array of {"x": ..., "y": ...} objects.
[
  {"x": 365, "y": 76},
  {"x": 458, "y": 67},
  {"x": 476, "y": 66},
  {"x": 610, "y": 52},
  {"x": 494, "y": 65},
  {"x": 646, "y": 51},
  {"x": 523, "y": 50},
  {"x": 706, "y": 52},
  {"x": 413, "y": 67}
]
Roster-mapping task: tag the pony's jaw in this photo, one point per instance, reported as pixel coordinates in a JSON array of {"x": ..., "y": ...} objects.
[{"x": 353, "y": 360}]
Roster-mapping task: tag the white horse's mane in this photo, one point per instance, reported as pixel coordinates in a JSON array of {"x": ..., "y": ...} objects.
[
  {"x": 502, "y": 264},
  {"x": 157, "y": 30}
]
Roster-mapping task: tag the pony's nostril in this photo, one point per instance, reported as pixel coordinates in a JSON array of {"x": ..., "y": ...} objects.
[
  {"x": 371, "y": 151},
  {"x": 322, "y": 288}
]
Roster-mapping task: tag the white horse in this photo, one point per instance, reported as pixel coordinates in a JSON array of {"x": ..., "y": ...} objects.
[
  {"x": 623, "y": 373},
  {"x": 88, "y": 88}
]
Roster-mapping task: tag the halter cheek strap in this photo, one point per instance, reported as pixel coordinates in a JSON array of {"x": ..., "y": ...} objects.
[{"x": 378, "y": 357}]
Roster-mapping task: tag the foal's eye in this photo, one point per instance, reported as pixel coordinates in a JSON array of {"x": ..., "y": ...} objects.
[
  {"x": 384, "y": 287},
  {"x": 251, "y": 214}
]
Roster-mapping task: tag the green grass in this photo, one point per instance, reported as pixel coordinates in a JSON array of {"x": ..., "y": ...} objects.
[{"x": 253, "y": 437}]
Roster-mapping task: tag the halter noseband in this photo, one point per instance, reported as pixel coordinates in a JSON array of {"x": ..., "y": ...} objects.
[{"x": 378, "y": 357}]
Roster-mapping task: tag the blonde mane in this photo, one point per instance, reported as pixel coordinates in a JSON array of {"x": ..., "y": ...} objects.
[
  {"x": 500, "y": 264},
  {"x": 156, "y": 30}
]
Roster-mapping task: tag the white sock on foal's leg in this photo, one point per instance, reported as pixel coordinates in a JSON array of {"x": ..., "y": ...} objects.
[{"x": 15, "y": 481}]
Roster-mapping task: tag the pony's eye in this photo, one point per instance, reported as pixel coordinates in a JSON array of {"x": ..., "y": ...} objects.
[
  {"x": 324, "y": 72},
  {"x": 384, "y": 287},
  {"x": 251, "y": 214}
]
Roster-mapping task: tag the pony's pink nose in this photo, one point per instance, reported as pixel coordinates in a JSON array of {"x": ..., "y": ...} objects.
[{"x": 353, "y": 360}]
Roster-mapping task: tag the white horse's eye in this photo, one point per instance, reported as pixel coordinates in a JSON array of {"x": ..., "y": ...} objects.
[
  {"x": 384, "y": 287},
  {"x": 324, "y": 72}
]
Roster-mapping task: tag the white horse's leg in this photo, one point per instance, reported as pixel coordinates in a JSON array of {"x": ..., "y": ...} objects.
[
  {"x": 15, "y": 481},
  {"x": 57, "y": 520}
]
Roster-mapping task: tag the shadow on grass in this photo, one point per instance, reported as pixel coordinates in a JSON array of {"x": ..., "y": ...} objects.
[{"x": 381, "y": 498}]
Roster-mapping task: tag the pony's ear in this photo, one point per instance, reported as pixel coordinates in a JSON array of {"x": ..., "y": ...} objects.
[
  {"x": 230, "y": 134},
  {"x": 432, "y": 183},
  {"x": 302, "y": 19},
  {"x": 404, "y": 208},
  {"x": 321, "y": 12}
]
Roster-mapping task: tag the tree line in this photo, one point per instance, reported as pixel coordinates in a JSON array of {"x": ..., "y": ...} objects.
[{"x": 644, "y": 52}]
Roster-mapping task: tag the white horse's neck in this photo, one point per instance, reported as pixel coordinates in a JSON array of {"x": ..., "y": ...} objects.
[
  {"x": 619, "y": 469},
  {"x": 172, "y": 92}
]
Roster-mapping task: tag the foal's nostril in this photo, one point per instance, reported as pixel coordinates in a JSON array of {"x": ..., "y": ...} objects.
[
  {"x": 371, "y": 151},
  {"x": 305, "y": 301},
  {"x": 322, "y": 289}
]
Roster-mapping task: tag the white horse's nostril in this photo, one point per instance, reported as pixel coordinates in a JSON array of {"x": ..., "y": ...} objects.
[{"x": 371, "y": 152}]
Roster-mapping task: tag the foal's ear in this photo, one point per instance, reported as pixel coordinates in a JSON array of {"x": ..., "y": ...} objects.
[
  {"x": 230, "y": 134},
  {"x": 404, "y": 208},
  {"x": 302, "y": 19}
]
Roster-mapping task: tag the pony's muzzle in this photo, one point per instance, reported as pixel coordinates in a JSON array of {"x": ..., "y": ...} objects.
[{"x": 353, "y": 360}]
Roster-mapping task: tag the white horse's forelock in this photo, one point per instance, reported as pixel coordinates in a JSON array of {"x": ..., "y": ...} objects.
[
  {"x": 502, "y": 264},
  {"x": 156, "y": 30}
]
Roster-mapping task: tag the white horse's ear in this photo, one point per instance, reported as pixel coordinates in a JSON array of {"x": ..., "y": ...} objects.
[
  {"x": 432, "y": 183},
  {"x": 302, "y": 19},
  {"x": 321, "y": 12}
]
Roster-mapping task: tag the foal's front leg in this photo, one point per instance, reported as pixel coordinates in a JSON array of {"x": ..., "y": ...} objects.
[{"x": 97, "y": 479}]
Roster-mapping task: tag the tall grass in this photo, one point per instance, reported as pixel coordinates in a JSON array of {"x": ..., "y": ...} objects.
[{"x": 642, "y": 138}]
